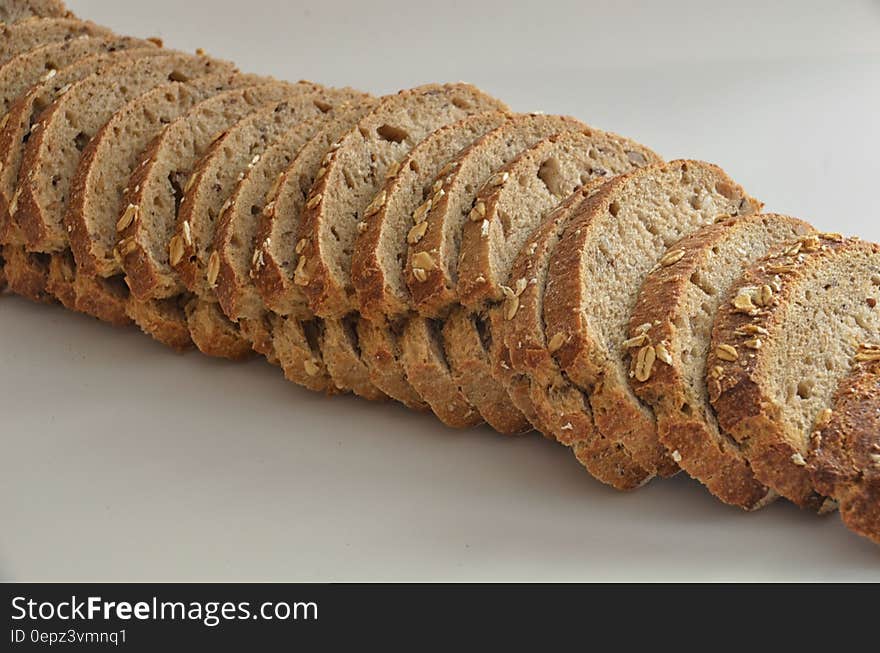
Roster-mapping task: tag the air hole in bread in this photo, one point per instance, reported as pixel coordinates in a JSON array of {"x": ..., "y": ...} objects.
[
  {"x": 255, "y": 210},
  {"x": 312, "y": 332},
  {"x": 686, "y": 409},
  {"x": 177, "y": 181},
  {"x": 392, "y": 134},
  {"x": 469, "y": 189},
  {"x": 349, "y": 327},
  {"x": 553, "y": 177},
  {"x": 81, "y": 141},
  {"x": 235, "y": 241},
  {"x": 614, "y": 209},
  {"x": 55, "y": 180},
  {"x": 484, "y": 332},
  {"x": 178, "y": 76},
  {"x": 335, "y": 234}
]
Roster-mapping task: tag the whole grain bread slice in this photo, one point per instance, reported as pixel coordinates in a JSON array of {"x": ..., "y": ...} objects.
[
  {"x": 346, "y": 193},
  {"x": 23, "y": 72},
  {"x": 13, "y": 11},
  {"x": 781, "y": 346},
  {"x": 523, "y": 360},
  {"x": 432, "y": 284},
  {"x": 159, "y": 182},
  {"x": 241, "y": 250},
  {"x": 277, "y": 259},
  {"x": 505, "y": 213},
  {"x": 31, "y": 33},
  {"x": 674, "y": 314},
  {"x": 380, "y": 249},
  {"x": 19, "y": 120},
  {"x": 98, "y": 185},
  {"x": 297, "y": 345},
  {"x": 844, "y": 459},
  {"x": 54, "y": 149},
  {"x": 595, "y": 274}
]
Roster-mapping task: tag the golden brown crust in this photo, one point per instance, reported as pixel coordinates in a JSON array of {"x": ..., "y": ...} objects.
[
  {"x": 27, "y": 274},
  {"x": 744, "y": 408},
  {"x": 162, "y": 319}
]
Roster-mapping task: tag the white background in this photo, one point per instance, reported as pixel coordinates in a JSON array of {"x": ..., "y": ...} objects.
[{"x": 120, "y": 460}]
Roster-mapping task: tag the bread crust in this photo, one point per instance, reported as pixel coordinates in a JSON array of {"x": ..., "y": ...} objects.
[
  {"x": 27, "y": 274},
  {"x": 844, "y": 460},
  {"x": 745, "y": 408},
  {"x": 163, "y": 320},
  {"x": 13, "y": 11},
  {"x": 705, "y": 454}
]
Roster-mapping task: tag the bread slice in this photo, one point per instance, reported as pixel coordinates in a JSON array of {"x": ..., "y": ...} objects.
[
  {"x": 380, "y": 249},
  {"x": 53, "y": 151},
  {"x": 595, "y": 275},
  {"x": 782, "y": 345},
  {"x": 427, "y": 370},
  {"x": 17, "y": 123},
  {"x": 19, "y": 37},
  {"x": 433, "y": 287},
  {"x": 274, "y": 266},
  {"x": 163, "y": 319},
  {"x": 506, "y": 211},
  {"x": 523, "y": 360},
  {"x": 13, "y": 11},
  {"x": 27, "y": 274},
  {"x": 240, "y": 251},
  {"x": 844, "y": 460},
  {"x": 21, "y": 73},
  {"x": 678, "y": 303},
  {"x": 297, "y": 344},
  {"x": 346, "y": 193},
  {"x": 158, "y": 183},
  {"x": 110, "y": 158}
]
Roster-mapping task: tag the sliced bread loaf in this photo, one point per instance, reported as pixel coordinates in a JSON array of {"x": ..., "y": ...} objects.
[
  {"x": 505, "y": 213},
  {"x": 53, "y": 151},
  {"x": 432, "y": 261},
  {"x": 236, "y": 241},
  {"x": 277, "y": 259},
  {"x": 12, "y": 11},
  {"x": 16, "y": 125},
  {"x": 673, "y": 314},
  {"x": 524, "y": 360},
  {"x": 595, "y": 275},
  {"x": 95, "y": 207},
  {"x": 346, "y": 193},
  {"x": 31, "y": 33},
  {"x": 380, "y": 249},
  {"x": 781, "y": 346},
  {"x": 844, "y": 460},
  {"x": 160, "y": 180}
]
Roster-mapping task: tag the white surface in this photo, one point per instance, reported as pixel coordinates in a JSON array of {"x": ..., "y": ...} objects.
[{"x": 123, "y": 461}]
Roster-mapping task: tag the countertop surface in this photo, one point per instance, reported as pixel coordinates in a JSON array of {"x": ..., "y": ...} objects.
[{"x": 124, "y": 461}]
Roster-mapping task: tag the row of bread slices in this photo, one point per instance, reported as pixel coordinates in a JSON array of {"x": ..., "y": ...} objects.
[{"x": 430, "y": 246}]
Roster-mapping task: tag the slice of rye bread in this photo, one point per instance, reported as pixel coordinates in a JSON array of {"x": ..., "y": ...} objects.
[
  {"x": 273, "y": 271},
  {"x": 17, "y": 123},
  {"x": 297, "y": 344},
  {"x": 673, "y": 314},
  {"x": 350, "y": 189},
  {"x": 524, "y": 361},
  {"x": 596, "y": 271},
  {"x": 242, "y": 248},
  {"x": 13, "y": 11},
  {"x": 780, "y": 348},
  {"x": 211, "y": 193},
  {"x": 62, "y": 132},
  {"x": 844, "y": 460},
  {"x": 107, "y": 162},
  {"x": 156, "y": 187},
  {"x": 506, "y": 212},
  {"x": 380, "y": 250},
  {"x": 19, "y": 37},
  {"x": 433, "y": 291}
]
